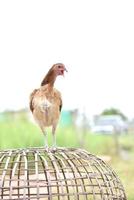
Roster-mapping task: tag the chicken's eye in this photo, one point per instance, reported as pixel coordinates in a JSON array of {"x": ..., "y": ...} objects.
[{"x": 59, "y": 66}]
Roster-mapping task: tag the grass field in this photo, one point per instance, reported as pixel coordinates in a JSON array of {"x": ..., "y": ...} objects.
[{"x": 22, "y": 133}]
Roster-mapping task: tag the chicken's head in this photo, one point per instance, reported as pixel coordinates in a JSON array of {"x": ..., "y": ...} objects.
[{"x": 59, "y": 69}]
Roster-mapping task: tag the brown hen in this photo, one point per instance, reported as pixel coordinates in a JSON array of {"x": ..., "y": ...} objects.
[{"x": 46, "y": 102}]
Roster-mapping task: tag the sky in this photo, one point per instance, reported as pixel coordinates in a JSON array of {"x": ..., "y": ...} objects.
[{"x": 94, "y": 39}]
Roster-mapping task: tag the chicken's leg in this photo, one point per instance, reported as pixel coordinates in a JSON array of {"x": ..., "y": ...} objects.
[
  {"x": 45, "y": 137},
  {"x": 45, "y": 140},
  {"x": 54, "y": 136}
]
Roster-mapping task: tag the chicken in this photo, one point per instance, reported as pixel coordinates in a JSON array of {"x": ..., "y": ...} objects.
[{"x": 46, "y": 102}]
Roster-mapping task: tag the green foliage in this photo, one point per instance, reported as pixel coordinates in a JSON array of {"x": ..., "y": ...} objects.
[
  {"x": 125, "y": 171},
  {"x": 20, "y": 134},
  {"x": 113, "y": 111}
]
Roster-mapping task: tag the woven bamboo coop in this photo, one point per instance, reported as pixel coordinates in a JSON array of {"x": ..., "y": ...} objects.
[{"x": 64, "y": 174}]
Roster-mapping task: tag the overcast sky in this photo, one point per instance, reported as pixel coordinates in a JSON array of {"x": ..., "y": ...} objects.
[{"x": 94, "y": 39}]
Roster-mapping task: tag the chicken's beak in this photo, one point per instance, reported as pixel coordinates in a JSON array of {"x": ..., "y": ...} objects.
[{"x": 65, "y": 71}]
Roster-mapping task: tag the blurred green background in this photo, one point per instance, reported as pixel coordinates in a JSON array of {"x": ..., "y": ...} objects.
[{"x": 18, "y": 130}]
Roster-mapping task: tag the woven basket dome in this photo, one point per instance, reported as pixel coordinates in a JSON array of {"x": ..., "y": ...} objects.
[{"x": 64, "y": 174}]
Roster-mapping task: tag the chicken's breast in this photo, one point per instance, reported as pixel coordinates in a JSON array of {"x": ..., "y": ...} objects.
[{"x": 46, "y": 104}]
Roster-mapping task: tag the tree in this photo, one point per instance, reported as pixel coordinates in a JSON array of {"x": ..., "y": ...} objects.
[{"x": 114, "y": 111}]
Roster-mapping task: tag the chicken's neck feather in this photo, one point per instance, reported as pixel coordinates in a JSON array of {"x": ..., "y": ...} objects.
[{"x": 49, "y": 78}]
